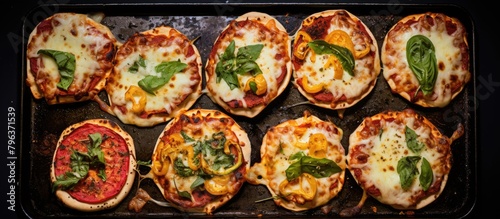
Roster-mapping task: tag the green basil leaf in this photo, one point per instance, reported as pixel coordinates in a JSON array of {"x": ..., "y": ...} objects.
[
  {"x": 230, "y": 65},
  {"x": 181, "y": 169},
  {"x": 250, "y": 52},
  {"x": 135, "y": 66},
  {"x": 412, "y": 142},
  {"x": 316, "y": 167},
  {"x": 229, "y": 52},
  {"x": 421, "y": 57},
  {"x": 426, "y": 176},
  {"x": 152, "y": 83},
  {"x": 197, "y": 182},
  {"x": 293, "y": 171},
  {"x": 253, "y": 86},
  {"x": 249, "y": 66},
  {"x": 344, "y": 55},
  {"x": 65, "y": 64},
  {"x": 319, "y": 167},
  {"x": 297, "y": 155},
  {"x": 407, "y": 170}
]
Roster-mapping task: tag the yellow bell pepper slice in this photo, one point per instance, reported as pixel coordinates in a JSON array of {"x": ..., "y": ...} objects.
[
  {"x": 317, "y": 145},
  {"x": 138, "y": 98},
  {"x": 306, "y": 192},
  {"x": 159, "y": 168},
  {"x": 260, "y": 82},
  {"x": 311, "y": 88},
  {"x": 341, "y": 38},
  {"x": 217, "y": 185},
  {"x": 302, "y": 48}
]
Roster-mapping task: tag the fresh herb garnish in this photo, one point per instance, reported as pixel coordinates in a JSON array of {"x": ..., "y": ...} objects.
[
  {"x": 407, "y": 170},
  {"x": 65, "y": 64},
  {"x": 231, "y": 65},
  {"x": 82, "y": 162},
  {"x": 412, "y": 142},
  {"x": 167, "y": 69},
  {"x": 343, "y": 54},
  {"x": 316, "y": 167},
  {"x": 422, "y": 61}
]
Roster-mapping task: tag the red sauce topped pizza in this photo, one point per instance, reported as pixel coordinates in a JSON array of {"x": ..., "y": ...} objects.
[{"x": 93, "y": 166}]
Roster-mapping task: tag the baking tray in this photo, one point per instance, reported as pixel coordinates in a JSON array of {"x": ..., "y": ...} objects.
[{"x": 42, "y": 124}]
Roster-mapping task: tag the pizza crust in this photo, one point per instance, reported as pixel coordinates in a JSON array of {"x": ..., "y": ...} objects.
[
  {"x": 51, "y": 94},
  {"x": 451, "y": 53},
  {"x": 373, "y": 75},
  {"x": 243, "y": 139},
  {"x": 210, "y": 69},
  {"x": 73, "y": 203}
]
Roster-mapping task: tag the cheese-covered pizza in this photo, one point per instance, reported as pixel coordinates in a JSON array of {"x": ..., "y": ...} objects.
[
  {"x": 335, "y": 59},
  {"x": 156, "y": 76},
  {"x": 249, "y": 64},
  {"x": 302, "y": 163},
  {"x": 400, "y": 158},
  {"x": 69, "y": 56},
  {"x": 200, "y": 160},
  {"x": 425, "y": 58},
  {"x": 93, "y": 166}
]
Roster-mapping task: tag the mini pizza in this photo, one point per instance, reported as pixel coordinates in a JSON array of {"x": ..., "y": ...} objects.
[
  {"x": 69, "y": 56},
  {"x": 200, "y": 160},
  {"x": 335, "y": 59},
  {"x": 425, "y": 59},
  {"x": 302, "y": 163},
  {"x": 249, "y": 64},
  {"x": 156, "y": 76},
  {"x": 93, "y": 166},
  {"x": 400, "y": 158}
]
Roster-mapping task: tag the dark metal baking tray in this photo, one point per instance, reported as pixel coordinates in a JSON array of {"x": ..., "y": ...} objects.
[{"x": 42, "y": 124}]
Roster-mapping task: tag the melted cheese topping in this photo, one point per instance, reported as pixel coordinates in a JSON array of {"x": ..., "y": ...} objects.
[
  {"x": 448, "y": 55},
  {"x": 384, "y": 150},
  {"x": 287, "y": 139},
  {"x": 76, "y": 34}
]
